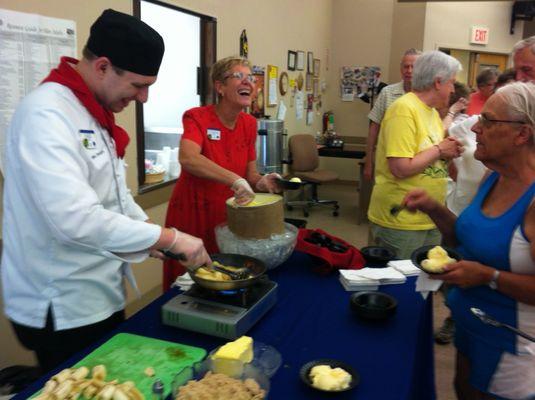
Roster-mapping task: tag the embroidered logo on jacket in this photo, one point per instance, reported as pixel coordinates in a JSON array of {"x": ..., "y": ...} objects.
[{"x": 89, "y": 139}]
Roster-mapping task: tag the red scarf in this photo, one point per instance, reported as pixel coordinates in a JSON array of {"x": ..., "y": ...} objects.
[{"x": 66, "y": 75}]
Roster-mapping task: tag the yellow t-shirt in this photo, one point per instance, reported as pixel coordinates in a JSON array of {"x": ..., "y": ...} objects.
[{"x": 409, "y": 127}]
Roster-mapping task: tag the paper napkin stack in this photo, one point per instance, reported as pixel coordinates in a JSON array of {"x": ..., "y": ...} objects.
[
  {"x": 369, "y": 278},
  {"x": 406, "y": 267}
]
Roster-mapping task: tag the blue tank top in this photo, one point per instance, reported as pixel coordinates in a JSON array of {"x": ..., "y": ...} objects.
[{"x": 488, "y": 241}]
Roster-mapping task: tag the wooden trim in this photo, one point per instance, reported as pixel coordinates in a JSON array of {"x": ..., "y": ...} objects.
[
  {"x": 155, "y": 197},
  {"x": 138, "y": 303},
  {"x": 184, "y": 10}
]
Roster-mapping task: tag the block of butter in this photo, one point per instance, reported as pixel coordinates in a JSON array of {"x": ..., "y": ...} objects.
[{"x": 230, "y": 358}]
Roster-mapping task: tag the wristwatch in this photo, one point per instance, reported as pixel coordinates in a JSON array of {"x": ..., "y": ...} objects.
[{"x": 493, "y": 284}]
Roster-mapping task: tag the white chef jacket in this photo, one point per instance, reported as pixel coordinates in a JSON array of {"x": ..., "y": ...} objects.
[{"x": 70, "y": 223}]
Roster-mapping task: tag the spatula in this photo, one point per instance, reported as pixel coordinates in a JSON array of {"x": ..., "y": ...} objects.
[{"x": 238, "y": 274}]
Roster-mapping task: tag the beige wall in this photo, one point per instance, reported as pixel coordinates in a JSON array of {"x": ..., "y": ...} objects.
[
  {"x": 361, "y": 32},
  {"x": 447, "y": 24},
  {"x": 408, "y": 24}
]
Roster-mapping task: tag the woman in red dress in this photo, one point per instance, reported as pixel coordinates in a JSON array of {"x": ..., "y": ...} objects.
[{"x": 218, "y": 158}]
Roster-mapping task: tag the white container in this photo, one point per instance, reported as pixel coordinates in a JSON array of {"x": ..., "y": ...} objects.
[
  {"x": 174, "y": 155},
  {"x": 160, "y": 160},
  {"x": 174, "y": 169}
]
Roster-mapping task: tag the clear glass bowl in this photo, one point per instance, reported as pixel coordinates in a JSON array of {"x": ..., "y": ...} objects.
[
  {"x": 272, "y": 252},
  {"x": 199, "y": 370},
  {"x": 265, "y": 358}
]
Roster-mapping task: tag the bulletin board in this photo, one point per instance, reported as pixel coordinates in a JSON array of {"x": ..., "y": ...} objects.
[{"x": 357, "y": 81}]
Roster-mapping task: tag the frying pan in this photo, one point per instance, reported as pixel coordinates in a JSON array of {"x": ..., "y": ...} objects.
[{"x": 256, "y": 267}]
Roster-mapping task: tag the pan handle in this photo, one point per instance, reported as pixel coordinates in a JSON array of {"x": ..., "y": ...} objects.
[{"x": 174, "y": 256}]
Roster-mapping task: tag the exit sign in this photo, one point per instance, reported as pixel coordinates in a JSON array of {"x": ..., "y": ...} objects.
[{"x": 480, "y": 35}]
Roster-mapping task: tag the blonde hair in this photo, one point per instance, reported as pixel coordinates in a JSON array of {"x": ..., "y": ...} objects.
[{"x": 223, "y": 66}]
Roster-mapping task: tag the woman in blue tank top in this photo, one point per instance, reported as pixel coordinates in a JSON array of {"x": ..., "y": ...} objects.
[{"x": 496, "y": 236}]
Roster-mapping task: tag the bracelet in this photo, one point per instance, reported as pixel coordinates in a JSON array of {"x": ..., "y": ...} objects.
[
  {"x": 174, "y": 240},
  {"x": 451, "y": 114},
  {"x": 439, "y": 151}
]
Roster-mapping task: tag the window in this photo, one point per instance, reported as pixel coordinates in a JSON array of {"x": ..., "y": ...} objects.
[{"x": 183, "y": 83}]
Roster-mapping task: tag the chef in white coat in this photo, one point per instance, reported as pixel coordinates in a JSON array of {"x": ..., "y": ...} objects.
[{"x": 70, "y": 224}]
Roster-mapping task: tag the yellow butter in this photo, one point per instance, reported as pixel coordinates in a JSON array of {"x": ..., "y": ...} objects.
[
  {"x": 240, "y": 349},
  {"x": 437, "y": 259},
  {"x": 230, "y": 358},
  {"x": 260, "y": 199},
  {"x": 326, "y": 378}
]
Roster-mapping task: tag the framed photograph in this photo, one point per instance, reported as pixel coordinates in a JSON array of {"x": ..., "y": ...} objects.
[
  {"x": 316, "y": 88},
  {"x": 292, "y": 59},
  {"x": 300, "y": 66},
  {"x": 257, "y": 105},
  {"x": 308, "y": 82},
  {"x": 316, "y": 67},
  {"x": 310, "y": 63}
]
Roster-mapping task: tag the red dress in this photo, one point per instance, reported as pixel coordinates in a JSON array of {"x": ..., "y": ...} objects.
[{"x": 197, "y": 205}]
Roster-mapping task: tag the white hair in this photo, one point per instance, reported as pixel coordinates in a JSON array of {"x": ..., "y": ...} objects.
[
  {"x": 522, "y": 44},
  {"x": 433, "y": 65},
  {"x": 519, "y": 98}
]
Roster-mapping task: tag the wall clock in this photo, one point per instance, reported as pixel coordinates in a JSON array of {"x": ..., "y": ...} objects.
[{"x": 300, "y": 81}]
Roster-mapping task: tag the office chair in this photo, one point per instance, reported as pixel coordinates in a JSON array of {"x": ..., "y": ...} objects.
[{"x": 304, "y": 161}]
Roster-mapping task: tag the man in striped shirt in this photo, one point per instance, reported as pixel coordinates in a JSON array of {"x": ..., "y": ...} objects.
[{"x": 387, "y": 96}]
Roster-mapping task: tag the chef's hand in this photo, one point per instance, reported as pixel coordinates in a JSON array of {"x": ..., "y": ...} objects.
[
  {"x": 157, "y": 254},
  {"x": 243, "y": 193},
  {"x": 466, "y": 274},
  {"x": 268, "y": 183},
  {"x": 192, "y": 248}
]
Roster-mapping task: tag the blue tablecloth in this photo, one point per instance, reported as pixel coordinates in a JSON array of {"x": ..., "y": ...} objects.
[{"x": 312, "y": 320}]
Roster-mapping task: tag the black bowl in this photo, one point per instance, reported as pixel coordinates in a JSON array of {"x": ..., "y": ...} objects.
[
  {"x": 287, "y": 184},
  {"x": 373, "y": 305},
  {"x": 377, "y": 255},
  {"x": 420, "y": 254},
  {"x": 304, "y": 373}
]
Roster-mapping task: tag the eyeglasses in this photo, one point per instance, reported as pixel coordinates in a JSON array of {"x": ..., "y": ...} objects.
[
  {"x": 241, "y": 76},
  {"x": 487, "y": 122}
]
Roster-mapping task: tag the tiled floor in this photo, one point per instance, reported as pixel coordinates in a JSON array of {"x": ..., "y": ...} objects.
[{"x": 345, "y": 226}]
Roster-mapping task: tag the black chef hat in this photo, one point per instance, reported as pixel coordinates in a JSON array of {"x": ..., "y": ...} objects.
[{"x": 128, "y": 42}]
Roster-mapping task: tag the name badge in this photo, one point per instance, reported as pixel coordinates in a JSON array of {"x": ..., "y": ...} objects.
[
  {"x": 89, "y": 138},
  {"x": 213, "y": 134}
]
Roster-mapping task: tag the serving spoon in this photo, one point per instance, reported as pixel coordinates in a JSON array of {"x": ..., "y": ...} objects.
[
  {"x": 487, "y": 319},
  {"x": 396, "y": 209}
]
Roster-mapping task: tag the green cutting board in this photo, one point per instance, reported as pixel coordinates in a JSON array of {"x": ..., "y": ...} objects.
[{"x": 126, "y": 356}]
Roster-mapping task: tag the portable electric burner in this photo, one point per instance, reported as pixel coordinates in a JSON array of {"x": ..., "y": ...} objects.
[{"x": 228, "y": 314}]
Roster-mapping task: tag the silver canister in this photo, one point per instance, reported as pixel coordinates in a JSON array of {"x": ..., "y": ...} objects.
[{"x": 269, "y": 145}]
